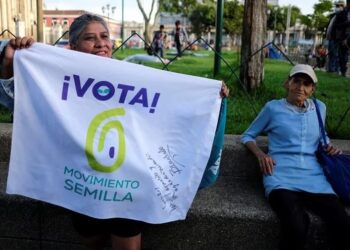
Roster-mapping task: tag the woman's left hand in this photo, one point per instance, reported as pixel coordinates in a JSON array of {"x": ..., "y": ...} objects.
[
  {"x": 332, "y": 150},
  {"x": 224, "y": 92}
]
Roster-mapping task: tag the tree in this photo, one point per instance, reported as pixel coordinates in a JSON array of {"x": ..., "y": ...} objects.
[
  {"x": 233, "y": 18},
  {"x": 321, "y": 11},
  {"x": 179, "y": 6},
  {"x": 318, "y": 21},
  {"x": 147, "y": 19},
  {"x": 173, "y": 6},
  {"x": 253, "y": 38},
  {"x": 281, "y": 17},
  {"x": 202, "y": 18}
]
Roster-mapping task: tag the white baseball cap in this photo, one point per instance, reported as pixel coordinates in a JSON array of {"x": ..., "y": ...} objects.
[{"x": 303, "y": 69}]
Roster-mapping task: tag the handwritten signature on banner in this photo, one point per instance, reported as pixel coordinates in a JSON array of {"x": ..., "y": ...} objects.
[{"x": 164, "y": 175}]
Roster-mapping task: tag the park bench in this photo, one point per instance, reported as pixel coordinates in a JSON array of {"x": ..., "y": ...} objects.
[{"x": 232, "y": 214}]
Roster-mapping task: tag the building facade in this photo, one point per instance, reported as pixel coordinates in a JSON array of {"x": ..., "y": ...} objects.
[
  {"x": 18, "y": 17},
  {"x": 57, "y": 23},
  {"x": 130, "y": 30}
]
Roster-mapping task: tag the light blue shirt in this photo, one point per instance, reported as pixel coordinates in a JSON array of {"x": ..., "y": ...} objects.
[
  {"x": 7, "y": 93},
  {"x": 293, "y": 137}
]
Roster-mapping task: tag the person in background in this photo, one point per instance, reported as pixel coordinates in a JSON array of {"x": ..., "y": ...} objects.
[
  {"x": 333, "y": 46},
  {"x": 342, "y": 25},
  {"x": 159, "y": 41},
  {"x": 321, "y": 55},
  {"x": 307, "y": 55},
  {"x": 293, "y": 179},
  {"x": 180, "y": 36},
  {"x": 348, "y": 41}
]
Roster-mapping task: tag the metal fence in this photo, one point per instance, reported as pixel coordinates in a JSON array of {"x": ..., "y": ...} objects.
[{"x": 293, "y": 57}]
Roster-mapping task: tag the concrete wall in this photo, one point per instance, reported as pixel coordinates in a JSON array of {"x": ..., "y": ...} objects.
[{"x": 232, "y": 214}]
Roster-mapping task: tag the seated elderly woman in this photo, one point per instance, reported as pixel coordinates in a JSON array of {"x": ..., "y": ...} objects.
[{"x": 293, "y": 179}]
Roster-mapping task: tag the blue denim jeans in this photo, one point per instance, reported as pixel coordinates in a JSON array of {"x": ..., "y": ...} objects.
[
  {"x": 343, "y": 58},
  {"x": 333, "y": 58},
  {"x": 7, "y": 93}
]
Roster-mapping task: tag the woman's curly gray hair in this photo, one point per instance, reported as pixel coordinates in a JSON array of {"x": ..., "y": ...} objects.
[{"x": 80, "y": 23}]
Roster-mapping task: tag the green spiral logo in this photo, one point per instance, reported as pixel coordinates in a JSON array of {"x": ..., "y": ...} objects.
[{"x": 92, "y": 134}]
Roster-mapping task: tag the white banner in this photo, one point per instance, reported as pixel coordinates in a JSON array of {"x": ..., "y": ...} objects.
[{"x": 108, "y": 138}]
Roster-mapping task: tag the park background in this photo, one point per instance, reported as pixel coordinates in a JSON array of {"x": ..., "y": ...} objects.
[{"x": 292, "y": 33}]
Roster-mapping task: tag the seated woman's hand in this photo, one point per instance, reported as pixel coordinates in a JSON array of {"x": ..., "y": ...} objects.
[
  {"x": 266, "y": 163},
  {"x": 332, "y": 150},
  {"x": 224, "y": 92}
]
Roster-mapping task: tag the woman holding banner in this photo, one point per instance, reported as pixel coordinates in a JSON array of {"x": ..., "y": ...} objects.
[{"x": 89, "y": 34}]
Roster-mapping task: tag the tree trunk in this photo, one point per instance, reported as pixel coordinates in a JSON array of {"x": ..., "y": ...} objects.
[
  {"x": 39, "y": 27},
  {"x": 146, "y": 33},
  {"x": 253, "y": 39},
  {"x": 147, "y": 19}
]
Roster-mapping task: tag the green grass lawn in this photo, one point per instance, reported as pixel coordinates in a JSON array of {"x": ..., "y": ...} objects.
[{"x": 242, "y": 107}]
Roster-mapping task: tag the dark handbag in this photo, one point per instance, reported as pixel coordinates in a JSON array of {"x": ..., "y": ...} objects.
[{"x": 335, "y": 167}]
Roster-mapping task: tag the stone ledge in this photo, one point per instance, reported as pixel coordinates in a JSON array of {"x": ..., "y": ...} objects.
[
  {"x": 232, "y": 214},
  {"x": 229, "y": 215}
]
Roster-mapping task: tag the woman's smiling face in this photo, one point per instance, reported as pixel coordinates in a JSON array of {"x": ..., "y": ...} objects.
[{"x": 94, "y": 40}]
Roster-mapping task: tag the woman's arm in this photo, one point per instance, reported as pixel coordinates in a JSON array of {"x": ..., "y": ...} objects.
[
  {"x": 266, "y": 163},
  {"x": 260, "y": 124},
  {"x": 6, "y": 93},
  {"x": 6, "y": 72}
]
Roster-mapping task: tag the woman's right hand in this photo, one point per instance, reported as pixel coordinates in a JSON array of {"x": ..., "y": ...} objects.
[
  {"x": 266, "y": 163},
  {"x": 13, "y": 45}
]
